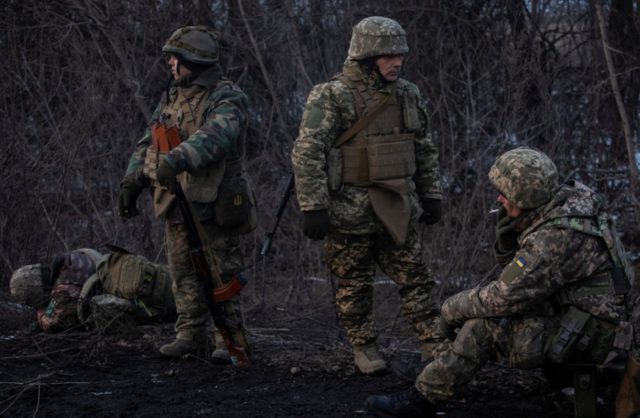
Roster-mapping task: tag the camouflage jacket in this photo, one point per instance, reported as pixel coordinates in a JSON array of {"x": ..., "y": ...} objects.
[
  {"x": 225, "y": 121},
  {"x": 329, "y": 111},
  {"x": 550, "y": 260}
]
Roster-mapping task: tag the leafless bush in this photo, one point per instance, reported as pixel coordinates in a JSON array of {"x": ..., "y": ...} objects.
[{"x": 81, "y": 77}]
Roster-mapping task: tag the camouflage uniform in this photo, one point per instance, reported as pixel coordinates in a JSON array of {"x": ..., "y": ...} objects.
[
  {"x": 87, "y": 284},
  {"x": 563, "y": 265},
  {"x": 359, "y": 238},
  {"x": 210, "y": 115}
]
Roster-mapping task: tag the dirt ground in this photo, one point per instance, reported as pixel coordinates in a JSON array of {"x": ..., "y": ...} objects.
[{"x": 301, "y": 366}]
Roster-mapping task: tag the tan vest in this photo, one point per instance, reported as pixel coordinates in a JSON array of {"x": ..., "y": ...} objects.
[
  {"x": 186, "y": 112},
  {"x": 381, "y": 156}
]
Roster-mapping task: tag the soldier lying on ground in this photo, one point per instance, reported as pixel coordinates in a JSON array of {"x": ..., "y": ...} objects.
[
  {"x": 560, "y": 297},
  {"x": 87, "y": 286}
]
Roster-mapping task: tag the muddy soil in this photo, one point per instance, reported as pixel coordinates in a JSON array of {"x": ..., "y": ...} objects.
[{"x": 301, "y": 366}]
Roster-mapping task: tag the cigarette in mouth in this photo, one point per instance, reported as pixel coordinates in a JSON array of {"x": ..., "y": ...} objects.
[{"x": 494, "y": 210}]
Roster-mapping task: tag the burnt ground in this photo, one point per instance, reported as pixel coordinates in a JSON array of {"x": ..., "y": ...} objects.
[{"x": 301, "y": 366}]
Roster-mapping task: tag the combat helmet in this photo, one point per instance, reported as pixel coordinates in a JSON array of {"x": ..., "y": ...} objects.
[
  {"x": 198, "y": 44},
  {"x": 377, "y": 35},
  {"x": 525, "y": 176},
  {"x": 26, "y": 285}
]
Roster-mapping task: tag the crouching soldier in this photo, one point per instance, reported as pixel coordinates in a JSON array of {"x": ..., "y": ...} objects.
[{"x": 560, "y": 296}]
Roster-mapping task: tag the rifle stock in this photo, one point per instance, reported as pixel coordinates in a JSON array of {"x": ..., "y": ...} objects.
[
  {"x": 216, "y": 296},
  {"x": 283, "y": 204}
]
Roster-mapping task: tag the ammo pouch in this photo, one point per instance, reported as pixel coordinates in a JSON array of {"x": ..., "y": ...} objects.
[
  {"x": 235, "y": 205},
  {"x": 392, "y": 160},
  {"x": 380, "y": 159},
  {"x": 581, "y": 337}
]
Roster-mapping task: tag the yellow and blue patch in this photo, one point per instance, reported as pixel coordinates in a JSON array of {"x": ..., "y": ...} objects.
[{"x": 520, "y": 261}]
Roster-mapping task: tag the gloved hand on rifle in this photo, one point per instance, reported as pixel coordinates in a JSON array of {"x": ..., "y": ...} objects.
[
  {"x": 432, "y": 211},
  {"x": 166, "y": 175},
  {"x": 130, "y": 189},
  {"x": 315, "y": 224}
]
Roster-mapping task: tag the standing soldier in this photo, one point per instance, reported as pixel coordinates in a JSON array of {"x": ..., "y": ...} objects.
[
  {"x": 366, "y": 172},
  {"x": 196, "y": 138},
  {"x": 560, "y": 296}
]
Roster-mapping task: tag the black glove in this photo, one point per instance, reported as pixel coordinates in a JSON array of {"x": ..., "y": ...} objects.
[
  {"x": 432, "y": 211},
  {"x": 315, "y": 224},
  {"x": 506, "y": 236},
  {"x": 129, "y": 192},
  {"x": 166, "y": 176}
]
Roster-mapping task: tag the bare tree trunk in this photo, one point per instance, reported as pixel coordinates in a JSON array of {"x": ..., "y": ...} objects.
[{"x": 626, "y": 126}]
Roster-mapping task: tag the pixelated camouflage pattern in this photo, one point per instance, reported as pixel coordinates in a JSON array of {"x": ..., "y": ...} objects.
[
  {"x": 353, "y": 259},
  {"x": 225, "y": 121},
  {"x": 516, "y": 342},
  {"x": 197, "y": 44},
  {"x": 525, "y": 176},
  {"x": 377, "y": 35},
  {"x": 514, "y": 316},
  {"x": 330, "y": 110},
  {"x": 549, "y": 259},
  {"x": 191, "y": 305}
]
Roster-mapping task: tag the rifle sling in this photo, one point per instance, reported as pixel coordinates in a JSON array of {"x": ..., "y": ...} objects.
[{"x": 361, "y": 123}]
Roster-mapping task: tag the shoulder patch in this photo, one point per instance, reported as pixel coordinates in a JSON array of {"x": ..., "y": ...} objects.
[{"x": 517, "y": 268}]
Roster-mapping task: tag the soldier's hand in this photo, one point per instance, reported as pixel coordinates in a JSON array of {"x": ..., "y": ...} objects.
[
  {"x": 315, "y": 224},
  {"x": 129, "y": 192},
  {"x": 166, "y": 175},
  {"x": 432, "y": 211},
  {"x": 506, "y": 236}
]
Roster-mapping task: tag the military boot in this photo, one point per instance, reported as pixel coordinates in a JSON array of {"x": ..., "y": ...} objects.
[
  {"x": 220, "y": 354},
  {"x": 409, "y": 404},
  {"x": 183, "y": 345},
  {"x": 368, "y": 359}
]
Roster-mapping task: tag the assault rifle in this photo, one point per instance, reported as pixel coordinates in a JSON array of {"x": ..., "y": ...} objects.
[
  {"x": 283, "y": 203},
  {"x": 232, "y": 334}
]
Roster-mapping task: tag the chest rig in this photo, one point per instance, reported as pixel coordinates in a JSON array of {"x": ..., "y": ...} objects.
[
  {"x": 612, "y": 281},
  {"x": 384, "y": 148},
  {"x": 181, "y": 118}
]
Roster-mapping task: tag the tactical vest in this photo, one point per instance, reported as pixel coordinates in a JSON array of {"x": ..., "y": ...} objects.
[
  {"x": 384, "y": 148},
  {"x": 614, "y": 281},
  {"x": 581, "y": 336},
  {"x": 186, "y": 113}
]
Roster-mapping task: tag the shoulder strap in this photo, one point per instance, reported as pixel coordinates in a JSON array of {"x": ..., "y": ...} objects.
[{"x": 361, "y": 123}]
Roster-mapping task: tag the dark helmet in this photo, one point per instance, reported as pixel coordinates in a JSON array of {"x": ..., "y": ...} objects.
[
  {"x": 525, "y": 176},
  {"x": 377, "y": 35},
  {"x": 197, "y": 44}
]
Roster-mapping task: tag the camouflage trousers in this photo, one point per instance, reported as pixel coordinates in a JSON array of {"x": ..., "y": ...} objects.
[
  {"x": 518, "y": 342},
  {"x": 353, "y": 259},
  {"x": 191, "y": 305}
]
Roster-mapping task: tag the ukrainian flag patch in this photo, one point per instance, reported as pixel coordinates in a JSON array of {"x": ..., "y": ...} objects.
[{"x": 521, "y": 262}]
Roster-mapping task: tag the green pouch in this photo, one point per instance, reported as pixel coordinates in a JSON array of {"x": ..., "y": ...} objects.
[{"x": 563, "y": 342}]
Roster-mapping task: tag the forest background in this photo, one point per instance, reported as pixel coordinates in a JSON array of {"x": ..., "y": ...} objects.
[{"x": 80, "y": 79}]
